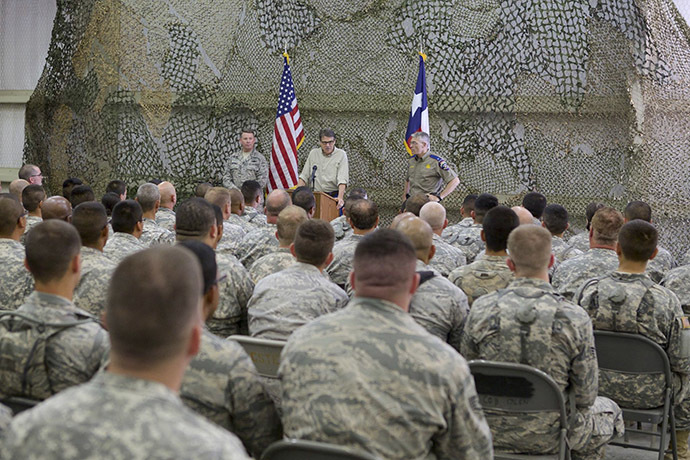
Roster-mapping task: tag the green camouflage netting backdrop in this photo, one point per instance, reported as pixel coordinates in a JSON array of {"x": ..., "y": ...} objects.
[{"x": 579, "y": 99}]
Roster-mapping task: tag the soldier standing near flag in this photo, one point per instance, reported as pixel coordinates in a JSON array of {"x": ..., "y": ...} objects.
[
  {"x": 427, "y": 173},
  {"x": 247, "y": 164},
  {"x": 327, "y": 167}
]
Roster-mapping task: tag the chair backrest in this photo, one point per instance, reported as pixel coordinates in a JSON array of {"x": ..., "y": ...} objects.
[
  {"x": 294, "y": 449},
  {"x": 18, "y": 404},
  {"x": 519, "y": 388},
  {"x": 631, "y": 353},
  {"x": 264, "y": 353}
]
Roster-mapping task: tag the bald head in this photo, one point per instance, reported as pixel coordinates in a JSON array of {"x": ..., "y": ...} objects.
[
  {"x": 288, "y": 220},
  {"x": 529, "y": 249},
  {"x": 420, "y": 234},
  {"x": 523, "y": 214},
  {"x": 399, "y": 218},
  {"x": 168, "y": 194},
  {"x": 434, "y": 214},
  {"x": 17, "y": 186},
  {"x": 276, "y": 201},
  {"x": 57, "y": 207}
]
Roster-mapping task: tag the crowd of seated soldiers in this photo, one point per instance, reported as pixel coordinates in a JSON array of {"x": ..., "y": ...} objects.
[{"x": 368, "y": 314}]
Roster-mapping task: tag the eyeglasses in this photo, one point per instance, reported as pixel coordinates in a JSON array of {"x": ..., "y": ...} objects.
[{"x": 327, "y": 142}]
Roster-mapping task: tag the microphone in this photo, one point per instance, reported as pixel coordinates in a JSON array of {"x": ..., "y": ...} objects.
[{"x": 313, "y": 177}]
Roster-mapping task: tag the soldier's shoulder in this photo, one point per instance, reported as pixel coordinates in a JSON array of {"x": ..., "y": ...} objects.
[{"x": 440, "y": 161}]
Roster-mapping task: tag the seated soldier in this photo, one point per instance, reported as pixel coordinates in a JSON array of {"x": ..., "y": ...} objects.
[
  {"x": 232, "y": 234},
  {"x": 581, "y": 240},
  {"x": 529, "y": 323},
  {"x": 535, "y": 203},
  {"x": 118, "y": 187},
  {"x": 47, "y": 359},
  {"x": 378, "y": 381},
  {"x": 132, "y": 410},
  {"x": 33, "y": 197},
  {"x": 91, "y": 222},
  {"x": 438, "y": 306},
  {"x": 598, "y": 261},
  {"x": 291, "y": 298},
  {"x": 17, "y": 186},
  {"x": 165, "y": 216},
  {"x": 364, "y": 218},
  {"x": 202, "y": 188},
  {"x": 524, "y": 216},
  {"x": 627, "y": 300},
  {"x": 221, "y": 382},
  {"x": 663, "y": 261},
  {"x": 447, "y": 257},
  {"x": 556, "y": 222},
  {"x": 288, "y": 220},
  {"x": 149, "y": 198},
  {"x": 127, "y": 227},
  {"x": 468, "y": 239},
  {"x": 81, "y": 194},
  {"x": 68, "y": 184},
  {"x": 5, "y": 416},
  {"x": 253, "y": 203},
  {"x": 489, "y": 272},
  {"x": 466, "y": 214},
  {"x": 305, "y": 199},
  {"x": 15, "y": 281},
  {"x": 237, "y": 209},
  {"x": 414, "y": 203},
  {"x": 341, "y": 226},
  {"x": 678, "y": 280},
  {"x": 57, "y": 207}
]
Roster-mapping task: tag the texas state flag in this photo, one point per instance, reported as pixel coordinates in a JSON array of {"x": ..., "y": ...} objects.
[{"x": 419, "y": 113}]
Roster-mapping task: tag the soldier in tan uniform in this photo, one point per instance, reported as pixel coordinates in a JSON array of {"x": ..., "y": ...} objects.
[{"x": 427, "y": 173}]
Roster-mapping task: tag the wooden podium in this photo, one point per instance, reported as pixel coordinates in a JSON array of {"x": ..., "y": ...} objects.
[{"x": 326, "y": 206}]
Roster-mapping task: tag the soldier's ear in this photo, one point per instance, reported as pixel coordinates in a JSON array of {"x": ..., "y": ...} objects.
[
  {"x": 329, "y": 259},
  {"x": 472, "y": 214},
  {"x": 292, "y": 249},
  {"x": 432, "y": 251},
  {"x": 552, "y": 260},
  {"x": 510, "y": 264},
  {"x": 445, "y": 223},
  {"x": 656, "y": 251},
  {"x": 482, "y": 235}
]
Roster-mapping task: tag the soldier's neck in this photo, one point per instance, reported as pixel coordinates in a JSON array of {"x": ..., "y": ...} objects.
[
  {"x": 503, "y": 253},
  {"x": 630, "y": 266},
  {"x": 63, "y": 288},
  {"x": 36, "y": 213}
]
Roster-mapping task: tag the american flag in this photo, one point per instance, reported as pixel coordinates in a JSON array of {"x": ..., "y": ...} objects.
[{"x": 288, "y": 135}]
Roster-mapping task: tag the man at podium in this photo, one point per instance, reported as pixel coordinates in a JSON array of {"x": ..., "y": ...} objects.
[{"x": 326, "y": 169}]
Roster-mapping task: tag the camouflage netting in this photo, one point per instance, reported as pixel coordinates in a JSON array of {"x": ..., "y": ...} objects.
[{"x": 580, "y": 99}]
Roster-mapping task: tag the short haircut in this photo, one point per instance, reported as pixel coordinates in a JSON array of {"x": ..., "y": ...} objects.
[
  {"x": 468, "y": 202},
  {"x": 153, "y": 303},
  {"x": 277, "y": 201},
  {"x": 483, "y": 204},
  {"x": 56, "y": 207},
  {"x": 155, "y": 181},
  {"x": 32, "y": 195},
  {"x": 218, "y": 213},
  {"x": 638, "y": 239},
  {"x": 116, "y": 186},
  {"x": 497, "y": 225},
  {"x": 418, "y": 231},
  {"x": 50, "y": 247},
  {"x": 26, "y": 171},
  {"x": 606, "y": 224},
  {"x": 364, "y": 214},
  {"x": 414, "y": 203},
  {"x": 535, "y": 203},
  {"x": 17, "y": 186},
  {"x": 10, "y": 212},
  {"x": 202, "y": 188},
  {"x": 314, "y": 241},
  {"x": 81, "y": 194},
  {"x": 304, "y": 198},
  {"x": 68, "y": 184},
  {"x": 591, "y": 209},
  {"x": 89, "y": 219},
  {"x": 326, "y": 132},
  {"x": 636, "y": 210},
  {"x": 219, "y": 196},
  {"x": 207, "y": 259},
  {"x": 433, "y": 214},
  {"x": 384, "y": 258},
  {"x": 246, "y": 130},
  {"x": 147, "y": 196},
  {"x": 109, "y": 200},
  {"x": 529, "y": 247},
  {"x": 555, "y": 219},
  {"x": 126, "y": 214},
  {"x": 250, "y": 190},
  {"x": 288, "y": 220},
  {"x": 194, "y": 218},
  {"x": 422, "y": 136},
  {"x": 236, "y": 199}
]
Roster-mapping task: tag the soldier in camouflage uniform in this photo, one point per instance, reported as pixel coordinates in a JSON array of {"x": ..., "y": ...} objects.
[
  {"x": 32, "y": 200},
  {"x": 466, "y": 213},
  {"x": 236, "y": 211},
  {"x": 15, "y": 281},
  {"x": 535, "y": 203},
  {"x": 262, "y": 240},
  {"x": 154, "y": 321},
  {"x": 468, "y": 239},
  {"x": 529, "y": 323},
  {"x": 253, "y": 195},
  {"x": 601, "y": 258},
  {"x": 74, "y": 354},
  {"x": 678, "y": 280},
  {"x": 380, "y": 382},
  {"x": 341, "y": 226},
  {"x": 288, "y": 220},
  {"x": 5, "y": 418},
  {"x": 165, "y": 216},
  {"x": 149, "y": 198},
  {"x": 556, "y": 221},
  {"x": 581, "y": 240},
  {"x": 127, "y": 226},
  {"x": 489, "y": 272},
  {"x": 56, "y": 207},
  {"x": 446, "y": 257},
  {"x": 246, "y": 164},
  {"x": 274, "y": 312},
  {"x": 627, "y": 300},
  {"x": 232, "y": 234},
  {"x": 221, "y": 382}
]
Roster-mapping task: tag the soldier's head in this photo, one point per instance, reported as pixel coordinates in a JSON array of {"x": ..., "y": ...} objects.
[
  {"x": 17, "y": 186},
  {"x": 109, "y": 200},
  {"x": 414, "y": 203},
  {"x": 535, "y": 203},
  {"x": 251, "y": 191},
  {"x": 498, "y": 223},
  {"x": 221, "y": 197},
  {"x": 555, "y": 219},
  {"x": 12, "y": 217},
  {"x": 209, "y": 271},
  {"x": 202, "y": 188},
  {"x": 523, "y": 214},
  {"x": 276, "y": 201},
  {"x": 196, "y": 219},
  {"x": 81, "y": 194},
  {"x": 117, "y": 186},
  {"x": 304, "y": 198},
  {"x": 68, "y": 184},
  {"x": 52, "y": 254},
  {"x": 32, "y": 198},
  {"x": 467, "y": 206},
  {"x": 364, "y": 216},
  {"x": 590, "y": 210},
  {"x": 31, "y": 173},
  {"x": 638, "y": 210},
  {"x": 605, "y": 226},
  {"x": 637, "y": 241},
  {"x": 168, "y": 195},
  {"x": 288, "y": 220},
  {"x": 153, "y": 309},
  {"x": 434, "y": 214},
  {"x": 313, "y": 243},
  {"x": 384, "y": 267},
  {"x": 247, "y": 139},
  {"x": 482, "y": 205},
  {"x": 57, "y": 207},
  {"x": 356, "y": 193},
  {"x": 421, "y": 235},
  {"x": 91, "y": 221},
  {"x": 420, "y": 142},
  {"x": 149, "y": 198},
  {"x": 529, "y": 249},
  {"x": 219, "y": 226},
  {"x": 399, "y": 218},
  {"x": 127, "y": 218},
  {"x": 236, "y": 202}
]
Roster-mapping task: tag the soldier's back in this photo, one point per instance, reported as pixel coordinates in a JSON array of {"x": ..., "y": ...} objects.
[
  {"x": 468, "y": 239},
  {"x": 580, "y": 241},
  {"x": 660, "y": 265},
  {"x": 154, "y": 234},
  {"x": 447, "y": 257},
  {"x": 96, "y": 271},
  {"x": 483, "y": 276},
  {"x": 16, "y": 283},
  {"x": 165, "y": 217},
  {"x": 120, "y": 245},
  {"x": 343, "y": 253},
  {"x": 678, "y": 280},
  {"x": 235, "y": 290},
  {"x": 271, "y": 263},
  {"x": 257, "y": 243},
  {"x": 572, "y": 273}
]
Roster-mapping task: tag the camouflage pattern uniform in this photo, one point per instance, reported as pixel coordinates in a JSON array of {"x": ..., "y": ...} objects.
[
  {"x": 75, "y": 354},
  {"x": 529, "y": 323},
  {"x": 271, "y": 263},
  {"x": 580, "y": 241},
  {"x": 92, "y": 290},
  {"x": 240, "y": 169},
  {"x": 439, "y": 306},
  {"x": 165, "y": 217},
  {"x": 562, "y": 251},
  {"x": 659, "y": 265},
  {"x": 447, "y": 257},
  {"x": 16, "y": 283},
  {"x": 221, "y": 384},
  {"x": 571, "y": 274},
  {"x": 469, "y": 240},
  {"x": 5, "y": 418},
  {"x": 451, "y": 230},
  {"x": 231, "y": 316},
  {"x": 678, "y": 280},
  {"x": 31, "y": 222},
  {"x": 120, "y": 245},
  {"x": 370, "y": 378},
  {"x": 483, "y": 276},
  {"x": 257, "y": 243},
  {"x": 232, "y": 236},
  {"x": 117, "y": 417},
  {"x": 287, "y": 300},
  {"x": 154, "y": 234},
  {"x": 254, "y": 217},
  {"x": 341, "y": 227},
  {"x": 343, "y": 253},
  {"x": 236, "y": 219}
]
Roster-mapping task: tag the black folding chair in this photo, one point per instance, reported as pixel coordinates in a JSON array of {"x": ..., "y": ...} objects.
[{"x": 294, "y": 449}]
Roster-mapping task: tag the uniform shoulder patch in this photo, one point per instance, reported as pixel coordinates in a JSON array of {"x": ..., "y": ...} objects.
[
  {"x": 685, "y": 322},
  {"x": 441, "y": 162}
]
